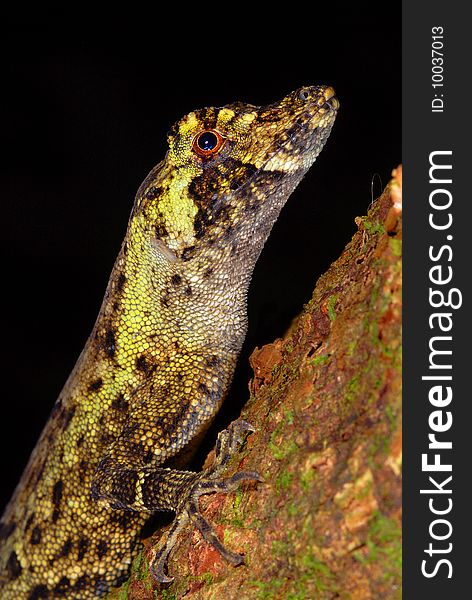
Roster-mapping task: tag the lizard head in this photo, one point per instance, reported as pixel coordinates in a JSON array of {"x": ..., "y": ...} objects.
[{"x": 229, "y": 171}]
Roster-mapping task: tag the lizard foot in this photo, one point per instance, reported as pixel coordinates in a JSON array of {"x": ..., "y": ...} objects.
[{"x": 207, "y": 482}]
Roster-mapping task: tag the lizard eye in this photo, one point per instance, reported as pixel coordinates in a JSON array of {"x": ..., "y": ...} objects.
[{"x": 208, "y": 143}]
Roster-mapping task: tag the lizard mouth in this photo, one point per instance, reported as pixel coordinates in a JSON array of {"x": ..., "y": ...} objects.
[{"x": 305, "y": 136}]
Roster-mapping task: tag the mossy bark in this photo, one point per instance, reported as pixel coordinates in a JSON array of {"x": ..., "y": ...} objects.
[{"x": 325, "y": 403}]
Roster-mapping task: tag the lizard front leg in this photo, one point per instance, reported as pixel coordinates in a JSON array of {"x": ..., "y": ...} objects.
[
  {"x": 207, "y": 482},
  {"x": 131, "y": 477}
]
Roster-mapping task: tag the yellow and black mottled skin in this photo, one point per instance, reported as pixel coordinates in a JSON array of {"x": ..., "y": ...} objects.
[{"x": 161, "y": 355}]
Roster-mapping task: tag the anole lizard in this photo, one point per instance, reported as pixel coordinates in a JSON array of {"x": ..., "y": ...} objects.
[{"x": 161, "y": 356}]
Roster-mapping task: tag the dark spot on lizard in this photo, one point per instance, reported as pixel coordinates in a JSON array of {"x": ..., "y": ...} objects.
[
  {"x": 203, "y": 388},
  {"x": 80, "y": 441},
  {"x": 106, "y": 439},
  {"x": 209, "y": 118},
  {"x": 62, "y": 587},
  {"x": 81, "y": 582},
  {"x": 176, "y": 279},
  {"x": 121, "y": 518},
  {"x": 39, "y": 592},
  {"x": 102, "y": 548},
  {"x": 161, "y": 231},
  {"x": 188, "y": 291},
  {"x": 110, "y": 343},
  {"x": 147, "y": 458},
  {"x": 120, "y": 282},
  {"x": 82, "y": 546},
  {"x": 187, "y": 252},
  {"x": 121, "y": 580},
  {"x": 57, "y": 493},
  {"x": 136, "y": 449},
  {"x": 153, "y": 192},
  {"x": 13, "y": 565},
  {"x": 66, "y": 548},
  {"x": 100, "y": 586},
  {"x": 29, "y": 522},
  {"x": 142, "y": 364},
  {"x": 55, "y": 515},
  {"x": 67, "y": 417},
  {"x": 242, "y": 176},
  {"x": 200, "y": 223},
  {"x": 120, "y": 403},
  {"x": 269, "y": 116},
  {"x": 213, "y": 361},
  {"x": 36, "y": 535},
  {"x": 228, "y": 233},
  {"x": 83, "y": 467},
  {"x": 207, "y": 273},
  {"x": 96, "y": 385}
]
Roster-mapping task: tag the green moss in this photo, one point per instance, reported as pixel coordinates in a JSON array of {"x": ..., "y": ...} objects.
[
  {"x": 283, "y": 448},
  {"x": 280, "y": 547},
  {"x": 315, "y": 574},
  {"x": 298, "y": 595},
  {"x": 255, "y": 524},
  {"x": 374, "y": 332},
  {"x": 371, "y": 227},
  {"x": 380, "y": 444},
  {"x": 284, "y": 373},
  {"x": 141, "y": 568},
  {"x": 289, "y": 416},
  {"x": 391, "y": 416},
  {"x": 307, "y": 478},
  {"x": 374, "y": 294},
  {"x": 395, "y": 246},
  {"x": 319, "y": 360},
  {"x": 237, "y": 498},
  {"x": 384, "y": 545},
  {"x": 267, "y": 590},
  {"x": 364, "y": 491},
  {"x": 237, "y": 522},
  {"x": 121, "y": 594},
  {"x": 283, "y": 481},
  {"x": 352, "y": 389},
  {"x": 277, "y": 451},
  {"x": 330, "y": 306},
  {"x": 351, "y": 347},
  {"x": 207, "y": 578}
]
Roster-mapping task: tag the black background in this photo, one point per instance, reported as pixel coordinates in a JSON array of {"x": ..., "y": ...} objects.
[{"x": 84, "y": 117}]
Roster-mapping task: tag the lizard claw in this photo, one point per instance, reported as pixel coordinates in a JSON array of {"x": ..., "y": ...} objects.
[
  {"x": 228, "y": 441},
  {"x": 206, "y": 483}
]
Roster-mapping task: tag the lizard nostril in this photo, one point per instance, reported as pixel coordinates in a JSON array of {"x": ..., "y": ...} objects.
[{"x": 304, "y": 95}]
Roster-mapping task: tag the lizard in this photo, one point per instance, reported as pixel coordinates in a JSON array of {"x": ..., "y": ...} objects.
[{"x": 161, "y": 356}]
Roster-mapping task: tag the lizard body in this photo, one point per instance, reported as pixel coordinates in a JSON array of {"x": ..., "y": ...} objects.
[{"x": 162, "y": 353}]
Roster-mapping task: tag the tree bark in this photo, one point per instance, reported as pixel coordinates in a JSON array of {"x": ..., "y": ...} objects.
[{"x": 326, "y": 405}]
